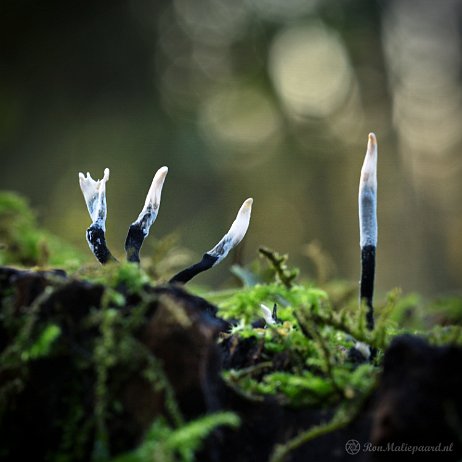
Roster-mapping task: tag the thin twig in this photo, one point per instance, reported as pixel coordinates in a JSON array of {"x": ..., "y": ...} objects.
[{"x": 278, "y": 263}]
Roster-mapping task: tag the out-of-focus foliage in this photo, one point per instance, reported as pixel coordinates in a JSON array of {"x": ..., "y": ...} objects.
[
  {"x": 166, "y": 444},
  {"x": 23, "y": 242}
]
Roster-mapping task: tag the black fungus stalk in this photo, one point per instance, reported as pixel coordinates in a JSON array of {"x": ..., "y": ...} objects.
[
  {"x": 94, "y": 193},
  {"x": 97, "y": 242},
  {"x": 139, "y": 229},
  {"x": 232, "y": 238},
  {"x": 187, "y": 274},
  {"x": 367, "y": 201}
]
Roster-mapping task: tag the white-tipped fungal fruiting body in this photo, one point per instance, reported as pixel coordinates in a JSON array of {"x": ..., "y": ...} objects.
[
  {"x": 139, "y": 229},
  {"x": 367, "y": 199},
  {"x": 267, "y": 315},
  {"x": 235, "y": 234},
  {"x": 364, "y": 349},
  {"x": 151, "y": 206},
  {"x": 94, "y": 193},
  {"x": 230, "y": 240}
]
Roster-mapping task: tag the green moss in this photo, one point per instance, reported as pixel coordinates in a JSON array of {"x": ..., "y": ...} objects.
[
  {"x": 129, "y": 276},
  {"x": 22, "y": 242},
  {"x": 163, "y": 443},
  {"x": 105, "y": 358},
  {"x": 304, "y": 389},
  {"x": 312, "y": 339},
  {"x": 244, "y": 303},
  {"x": 44, "y": 343},
  {"x": 120, "y": 277}
]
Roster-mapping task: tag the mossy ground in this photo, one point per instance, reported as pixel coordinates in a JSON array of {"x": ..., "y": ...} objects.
[{"x": 304, "y": 360}]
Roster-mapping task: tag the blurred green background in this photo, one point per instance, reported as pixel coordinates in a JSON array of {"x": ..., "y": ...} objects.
[{"x": 267, "y": 99}]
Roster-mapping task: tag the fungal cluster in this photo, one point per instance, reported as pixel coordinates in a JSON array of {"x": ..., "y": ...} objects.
[{"x": 94, "y": 193}]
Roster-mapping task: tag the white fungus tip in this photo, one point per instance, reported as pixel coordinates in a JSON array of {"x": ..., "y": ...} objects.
[
  {"x": 155, "y": 191},
  {"x": 248, "y": 203},
  {"x": 372, "y": 139},
  {"x": 364, "y": 349},
  {"x": 152, "y": 203},
  {"x": 235, "y": 234},
  {"x": 267, "y": 315},
  {"x": 241, "y": 223},
  {"x": 369, "y": 168},
  {"x": 367, "y": 198},
  {"x": 94, "y": 193}
]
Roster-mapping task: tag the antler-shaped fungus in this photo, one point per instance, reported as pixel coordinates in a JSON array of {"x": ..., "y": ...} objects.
[{"x": 94, "y": 193}]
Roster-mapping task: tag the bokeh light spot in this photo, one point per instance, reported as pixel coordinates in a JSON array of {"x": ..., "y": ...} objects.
[
  {"x": 240, "y": 117},
  {"x": 310, "y": 70}
]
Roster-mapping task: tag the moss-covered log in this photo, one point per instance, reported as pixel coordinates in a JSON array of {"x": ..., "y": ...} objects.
[
  {"x": 86, "y": 368},
  {"x": 115, "y": 360}
]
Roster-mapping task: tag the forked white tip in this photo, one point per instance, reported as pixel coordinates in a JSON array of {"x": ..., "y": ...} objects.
[
  {"x": 267, "y": 315},
  {"x": 369, "y": 168},
  {"x": 94, "y": 193}
]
